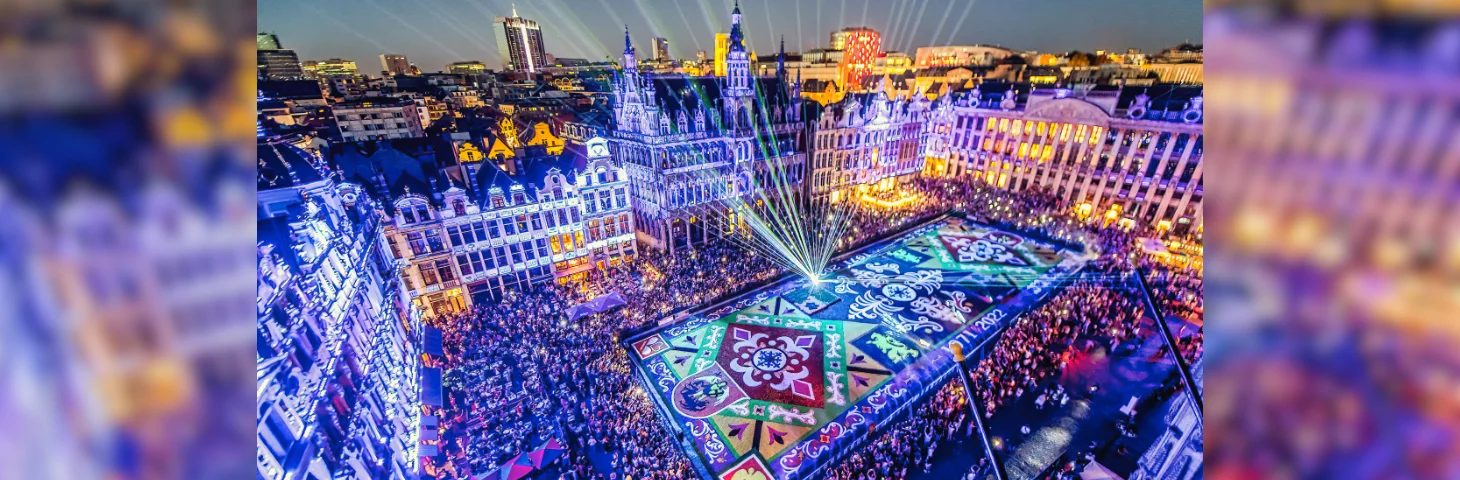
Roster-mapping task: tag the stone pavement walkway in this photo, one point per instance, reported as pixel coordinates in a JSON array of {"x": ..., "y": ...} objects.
[{"x": 1057, "y": 431}]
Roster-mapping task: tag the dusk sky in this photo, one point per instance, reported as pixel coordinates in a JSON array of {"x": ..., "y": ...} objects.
[{"x": 432, "y": 33}]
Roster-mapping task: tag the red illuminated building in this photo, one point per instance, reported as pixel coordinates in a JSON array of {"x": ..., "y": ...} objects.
[{"x": 862, "y": 47}]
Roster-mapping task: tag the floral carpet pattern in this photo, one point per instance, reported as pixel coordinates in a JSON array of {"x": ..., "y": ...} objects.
[{"x": 777, "y": 383}]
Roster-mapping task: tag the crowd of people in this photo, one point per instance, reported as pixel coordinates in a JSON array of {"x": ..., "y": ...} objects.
[
  {"x": 1029, "y": 364},
  {"x": 909, "y": 446},
  {"x": 518, "y": 372}
]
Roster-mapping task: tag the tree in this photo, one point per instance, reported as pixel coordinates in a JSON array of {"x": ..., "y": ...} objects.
[{"x": 1079, "y": 59}]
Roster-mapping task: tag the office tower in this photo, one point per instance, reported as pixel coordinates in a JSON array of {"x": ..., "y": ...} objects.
[
  {"x": 395, "y": 64},
  {"x": 268, "y": 41},
  {"x": 279, "y": 65},
  {"x": 661, "y": 49},
  {"x": 519, "y": 42}
]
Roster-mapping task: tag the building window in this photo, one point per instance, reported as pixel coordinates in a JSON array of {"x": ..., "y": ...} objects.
[
  {"x": 428, "y": 274},
  {"x": 424, "y": 241}
]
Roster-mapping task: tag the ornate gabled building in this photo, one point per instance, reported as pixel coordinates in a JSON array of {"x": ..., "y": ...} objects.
[
  {"x": 337, "y": 392},
  {"x": 694, "y": 146},
  {"x": 503, "y": 224},
  {"x": 869, "y": 141}
]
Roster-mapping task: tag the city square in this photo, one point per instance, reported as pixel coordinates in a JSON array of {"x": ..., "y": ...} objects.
[{"x": 847, "y": 262}]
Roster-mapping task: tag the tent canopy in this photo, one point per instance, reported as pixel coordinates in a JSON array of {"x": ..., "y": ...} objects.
[
  {"x": 1153, "y": 246},
  {"x": 431, "y": 386},
  {"x": 433, "y": 341},
  {"x": 599, "y": 304}
]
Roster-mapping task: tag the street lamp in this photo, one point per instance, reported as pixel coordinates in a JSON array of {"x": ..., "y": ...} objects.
[{"x": 978, "y": 414}]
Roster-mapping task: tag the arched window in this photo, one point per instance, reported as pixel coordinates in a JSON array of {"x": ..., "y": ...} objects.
[{"x": 459, "y": 206}]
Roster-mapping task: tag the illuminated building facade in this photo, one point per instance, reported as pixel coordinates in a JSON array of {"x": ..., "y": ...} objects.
[
  {"x": 661, "y": 49},
  {"x": 275, "y": 62},
  {"x": 722, "y": 49},
  {"x": 1131, "y": 155},
  {"x": 960, "y": 56},
  {"x": 859, "y": 55},
  {"x": 519, "y": 42},
  {"x": 377, "y": 119},
  {"x": 1190, "y": 73},
  {"x": 518, "y": 218},
  {"x": 279, "y": 64},
  {"x": 337, "y": 390},
  {"x": 893, "y": 63},
  {"x": 869, "y": 140},
  {"x": 335, "y": 66},
  {"x": 839, "y": 39},
  {"x": 466, "y": 67},
  {"x": 267, "y": 41},
  {"x": 1177, "y": 453},
  {"x": 691, "y": 144}
]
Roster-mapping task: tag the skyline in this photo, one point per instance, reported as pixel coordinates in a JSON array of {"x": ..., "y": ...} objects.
[{"x": 432, "y": 33}]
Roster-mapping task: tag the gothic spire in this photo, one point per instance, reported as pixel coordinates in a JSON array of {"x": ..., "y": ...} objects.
[
  {"x": 781, "y": 60},
  {"x": 628, "y": 43},
  {"x": 736, "y": 44}
]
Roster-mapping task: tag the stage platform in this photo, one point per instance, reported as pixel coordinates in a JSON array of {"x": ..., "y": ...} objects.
[{"x": 785, "y": 380}]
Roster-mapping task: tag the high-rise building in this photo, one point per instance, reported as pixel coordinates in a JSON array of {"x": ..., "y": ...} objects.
[
  {"x": 661, "y": 49},
  {"x": 700, "y": 56},
  {"x": 519, "y": 42},
  {"x": 859, "y": 55},
  {"x": 394, "y": 64},
  {"x": 279, "y": 64},
  {"x": 722, "y": 47},
  {"x": 268, "y": 41}
]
